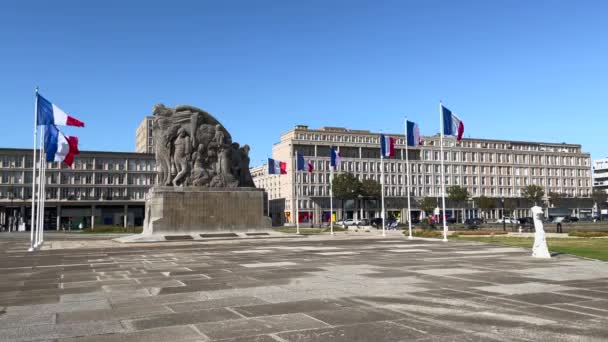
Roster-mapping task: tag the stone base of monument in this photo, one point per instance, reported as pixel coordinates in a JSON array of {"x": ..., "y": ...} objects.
[{"x": 194, "y": 213}]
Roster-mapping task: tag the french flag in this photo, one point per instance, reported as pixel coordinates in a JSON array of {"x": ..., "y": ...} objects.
[
  {"x": 335, "y": 159},
  {"x": 310, "y": 166},
  {"x": 49, "y": 114},
  {"x": 58, "y": 147},
  {"x": 452, "y": 125},
  {"x": 276, "y": 167},
  {"x": 387, "y": 146},
  {"x": 413, "y": 134}
]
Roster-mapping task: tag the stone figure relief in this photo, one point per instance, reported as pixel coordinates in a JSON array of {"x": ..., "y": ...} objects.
[
  {"x": 539, "y": 249},
  {"x": 194, "y": 149}
]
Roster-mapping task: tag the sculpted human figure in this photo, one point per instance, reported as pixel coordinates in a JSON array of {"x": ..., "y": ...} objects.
[
  {"x": 181, "y": 156},
  {"x": 160, "y": 127},
  {"x": 194, "y": 149}
]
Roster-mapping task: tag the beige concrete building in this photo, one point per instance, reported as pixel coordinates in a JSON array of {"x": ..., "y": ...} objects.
[
  {"x": 144, "y": 142},
  {"x": 100, "y": 188},
  {"x": 492, "y": 168}
]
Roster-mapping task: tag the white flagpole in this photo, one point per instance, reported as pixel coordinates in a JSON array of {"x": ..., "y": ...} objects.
[
  {"x": 295, "y": 181},
  {"x": 382, "y": 182},
  {"x": 407, "y": 175},
  {"x": 43, "y": 193},
  {"x": 445, "y": 226},
  {"x": 331, "y": 197},
  {"x": 33, "y": 219},
  {"x": 39, "y": 189}
]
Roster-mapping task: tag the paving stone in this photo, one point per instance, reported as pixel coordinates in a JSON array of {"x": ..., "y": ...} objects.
[
  {"x": 388, "y": 331},
  {"x": 290, "y": 307},
  {"x": 174, "y": 334},
  {"x": 182, "y": 318},
  {"x": 524, "y": 288},
  {"x": 54, "y": 331},
  {"x": 354, "y": 315},
  {"x": 258, "y": 326},
  {"x": 111, "y": 315},
  {"x": 216, "y": 303}
]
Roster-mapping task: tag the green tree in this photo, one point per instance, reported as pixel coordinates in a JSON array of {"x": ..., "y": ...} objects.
[
  {"x": 371, "y": 188},
  {"x": 458, "y": 195},
  {"x": 427, "y": 204},
  {"x": 599, "y": 197},
  {"x": 510, "y": 206},
  {"x": 533, "y": 193},
  {"x": 556, "y": 198},
  {"x": 484, "y": 203},
  {"x": 346, "y": 186}
]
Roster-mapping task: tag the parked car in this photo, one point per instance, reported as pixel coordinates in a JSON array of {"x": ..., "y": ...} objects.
[
  {"x": 362, "y": 222},
  {"x": 506, "y": 220},
  {"x": 415, "y": 220},
  {"x": 451, "y": 220},
  {"x": 346, "y": 223},
  {"x": 573, "y": 219},
  {"x": 473, "y": 223}
]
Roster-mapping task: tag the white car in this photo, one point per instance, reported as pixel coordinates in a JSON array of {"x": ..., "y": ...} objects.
[
  {"x": 347, "y": 223},
  {"x": 507, "y": 220}
]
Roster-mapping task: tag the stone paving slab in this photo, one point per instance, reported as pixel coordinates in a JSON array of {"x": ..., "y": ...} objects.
[{"x": 340, "y": 288}]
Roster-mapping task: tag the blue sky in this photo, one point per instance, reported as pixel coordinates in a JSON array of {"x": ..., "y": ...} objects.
[{"x": 520, "y": 70}]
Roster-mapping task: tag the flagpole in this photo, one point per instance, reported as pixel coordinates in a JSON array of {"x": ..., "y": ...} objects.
[
  {"x": 295, "y": 181},
  {"x": 39, "y": 188},
  {"x": 407, "y": 175},
  {"x": 31, "y": 249},
  {"x": 445, "y": 226},
  {"x": 43, "y": 193},
  {"x": 331, "y": 198},
  {"x": 382, "y": 182}
]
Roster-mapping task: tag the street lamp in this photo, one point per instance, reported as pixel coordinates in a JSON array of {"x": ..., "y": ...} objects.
[{"x": 504, "y": 224}]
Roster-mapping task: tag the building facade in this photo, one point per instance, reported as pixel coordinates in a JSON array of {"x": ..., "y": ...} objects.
[
  {"x": 492, "y": 168},
  {"x": 100, "y": 188},
  {"x": 600, "y": 174},
  {"x": 144, "y": 141}
]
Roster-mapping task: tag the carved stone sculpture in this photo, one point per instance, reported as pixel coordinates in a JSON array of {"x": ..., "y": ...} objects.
[
  {"x": 194, "y": 149},
  {"x": 539, "y": 250}
]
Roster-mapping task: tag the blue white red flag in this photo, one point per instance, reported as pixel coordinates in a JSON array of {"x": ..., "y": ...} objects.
[
  {"x": 387, "y": 146},
  {"x": 300, "y": 163},
  {"x": 310, "y": 166},
  {"x": 452, "y": 125},
  {"x": 49, "y": 114},
  {"x": 413, "y": 134},
  {"x": 276, "y": 167},
  {"x": 335, "y": 159},
  {"x": 58, "y": 147}
]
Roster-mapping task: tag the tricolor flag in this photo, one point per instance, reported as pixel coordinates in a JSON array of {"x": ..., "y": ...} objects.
[
  {"x": 452, "y": 125},
  {"x": 300, "y": 163},
  {"x": 413, "y": 134},
  {"x": 58, "y": 147},
  {"x": 49, "y": 114},
  {"x": 310, "y": 166},
  {"x": 387, "y": 146},
  {"x": 276, "y": 167},
  {"x": 335, "y": 159}
]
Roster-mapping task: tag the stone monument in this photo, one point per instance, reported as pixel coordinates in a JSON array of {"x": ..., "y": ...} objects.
[
  {"x": 539, "y": 250},
  {"x": 203, "y": 181}
]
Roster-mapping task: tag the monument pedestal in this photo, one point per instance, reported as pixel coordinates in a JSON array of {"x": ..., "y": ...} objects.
[{"x": 182, "y": 211}]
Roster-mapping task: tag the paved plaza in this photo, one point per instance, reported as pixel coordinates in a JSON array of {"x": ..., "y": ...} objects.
[{"x": 341, "y": 288}]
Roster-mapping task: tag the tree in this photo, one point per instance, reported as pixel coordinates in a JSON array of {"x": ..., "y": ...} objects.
[
  {"x": 510, "y": 205},
  {"x": 556, "y": 198},
  {"x": 371, "y": 188},
  {"x": 533, "y": 193},
  {"x": 346, "y": 186},
  {"x": 458, "y": 195},
  {"x": 427, "y": 204},
  {"x": 484, "y": 203},
  {"x": 599, "y": 197}
]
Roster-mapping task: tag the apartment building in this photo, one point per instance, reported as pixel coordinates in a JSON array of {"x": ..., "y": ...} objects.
[
  {"x": 100, "y": 188},
  {"x": 144, "y": 141},
  {"x": 492, "y": 168}
]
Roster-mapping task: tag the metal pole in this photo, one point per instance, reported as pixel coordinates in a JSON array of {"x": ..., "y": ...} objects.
[
  {"x": 445, "y": 226},
  {"x": 382, "y": 182},
  {"x": 295, "y": 182},
  {"x": 504, "y": 224},
  {"x": 407, "y": 175},
  {"x": 43, "y": 184},
  {"x": 331, "y": 199},
  {"x": 33, "y": 218}
]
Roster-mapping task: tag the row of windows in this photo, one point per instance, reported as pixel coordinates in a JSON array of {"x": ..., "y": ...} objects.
[
  {"x": 394, "y": 191},
  {"x": 52, "y": 193},
  {"x": 83, "y": 164},
  {"x": 74, "y": 178},
  {"x": 375, "y": 139}
]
